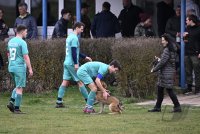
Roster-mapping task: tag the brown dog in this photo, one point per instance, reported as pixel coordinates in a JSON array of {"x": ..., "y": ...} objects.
[{"x": 114, "y": 104}]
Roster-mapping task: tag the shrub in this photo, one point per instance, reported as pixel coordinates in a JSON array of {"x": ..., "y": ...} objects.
[
  {"x": 135, "y": 56},
  {"x": 47, "y": 59}
]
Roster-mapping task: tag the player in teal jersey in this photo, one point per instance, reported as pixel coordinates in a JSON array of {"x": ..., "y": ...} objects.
[
  {"x": 18, "y": 62},
  {"x": 96, "y": 70},
  {"x": 71, "y": 64}
]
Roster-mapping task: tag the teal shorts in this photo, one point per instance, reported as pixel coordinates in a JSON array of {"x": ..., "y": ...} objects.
[
  {"x": 84, "y": 76},
  {"x": 19, "y": 78},
  {"x": 70, "y": 73}
]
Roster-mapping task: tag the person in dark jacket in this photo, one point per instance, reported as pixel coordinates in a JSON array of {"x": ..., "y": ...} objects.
[
  {"x": 166, "y": 68},
  {"x": 27, "y": 20},
  {"x": 144, "y": 28},
  {"x": 60, "y": 29},
  {"x": 173, "y": 26},
  {"x": 164, "y": 12},
  {"x": 192, "y": 53},
  {"x": 105, "y": 23},
  {"x": 86, "y": 20},
  {"x": 3, "y": 27},
  {"x": 129, "y": 18}
]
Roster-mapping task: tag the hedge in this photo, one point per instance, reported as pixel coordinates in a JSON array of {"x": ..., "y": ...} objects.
[{"x": 135, "y": 56}]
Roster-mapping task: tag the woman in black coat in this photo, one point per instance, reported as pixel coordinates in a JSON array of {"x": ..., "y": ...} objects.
[{"x": 166, "y": 71}]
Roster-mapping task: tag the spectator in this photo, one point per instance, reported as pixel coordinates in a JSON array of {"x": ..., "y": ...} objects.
[
  {"x": 192, "y": 53},
  {"x": 164, "y": 12},
  {"x": 129, "y": 18},
  {"x": 27, "y": 20},
  {"x": 174, "y": 24},
  {"x": 3, "y": 27},
  {"x": 173, "y": 28},
  {"x": 60, "y": 29},
  {"x": 191, "y": 6},
  {"x": 166, "y": 69},
  {"x": 86, "y": 20},
  {"x": 105, "y": 23},
  {"x": 144, "y": 28}
]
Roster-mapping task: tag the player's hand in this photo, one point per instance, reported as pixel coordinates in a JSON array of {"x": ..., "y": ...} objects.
[
  {"x": 76, "y": 66},
  {"x": 199, "y": 56},
  {"x": 105, "y": 95},
  {"x": 88, "y": 58},
  {"x": 30, "y": 73}
]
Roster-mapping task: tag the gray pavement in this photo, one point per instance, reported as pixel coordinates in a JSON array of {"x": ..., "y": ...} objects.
[{"x": 190, "y": 99}]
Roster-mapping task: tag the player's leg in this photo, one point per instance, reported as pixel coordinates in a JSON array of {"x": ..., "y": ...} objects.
[
  {"x": 61, "y": 92},
  {"x": 63, "y": 88},
  {"x": 83, "y": 90},
  {"x": 20, "y": 79},
  {"x": 74, "y": 76},
  {"x": 18, "y": 100},
  {"x": 11, "y": 103},
  {"x": 91, "y": 97}
]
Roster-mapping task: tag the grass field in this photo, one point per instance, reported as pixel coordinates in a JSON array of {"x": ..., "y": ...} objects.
[{"x": 43, "y": 118}]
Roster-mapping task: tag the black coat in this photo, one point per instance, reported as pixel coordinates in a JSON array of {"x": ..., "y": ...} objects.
[
  {"x": 173, "y": 26},
  {"x": 60, "y": 29},
  {"x": 128, "y": 19},
  {"x": 192, "y": 47},
  {"x": 164, "y": 12},
  {"x": 105, "y": 24},
  {"x": 166, "y": 68}
]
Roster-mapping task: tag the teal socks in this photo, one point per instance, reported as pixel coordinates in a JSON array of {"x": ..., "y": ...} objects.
[
  {"x": 61, "y": 93},
  {"x": 91, "y": 99},
  {"x": 18, "y": 99},
  {"x": 84, "y": 92}
]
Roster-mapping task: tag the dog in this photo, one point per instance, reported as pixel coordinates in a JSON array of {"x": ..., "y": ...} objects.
[{"x": 115, "y": 106}]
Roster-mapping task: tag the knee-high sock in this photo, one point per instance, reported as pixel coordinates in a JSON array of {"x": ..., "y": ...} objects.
[
  {"x": 12, "y": 99},
  {"x": 84, "y": 92},
  {"x": 18, "y": 99},
  {"x": 61, "y": 93},
  {"x": 91, "y": 98}
]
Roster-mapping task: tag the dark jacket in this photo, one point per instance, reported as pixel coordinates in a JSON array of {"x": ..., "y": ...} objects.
[
  {"x": 86, "y": 20},
  {"x": 3, "y": 30},
  {"x": 173, "y": 26},
  {"x": 30, "y": 23},
  {"x": 166, "y": 68},
  {"x": 164, "y": 12},
  {"x": 105, "y": 24},
  {"x": 128, "y": 19},
  {"x": 60, "y": 29},
  {"x": 192, "y": 48}
]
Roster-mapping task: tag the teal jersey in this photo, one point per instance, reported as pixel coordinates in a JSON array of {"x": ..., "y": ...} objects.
[
  {"x": 71, "y": 41},
  {"x": 95, "y": 68},
  {"x": 17, "y": 48}
]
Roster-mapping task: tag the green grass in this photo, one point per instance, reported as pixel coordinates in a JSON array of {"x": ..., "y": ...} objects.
[{"x": 43, "y": 118}]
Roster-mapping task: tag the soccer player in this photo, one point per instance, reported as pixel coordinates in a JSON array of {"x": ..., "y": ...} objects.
[
  {"x": 71, "y": 64},
  {"x": 96, "y": 70},
  {"x": 18, "y": 62}
]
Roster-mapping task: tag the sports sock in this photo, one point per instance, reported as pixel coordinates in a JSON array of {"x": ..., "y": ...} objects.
[
  {"x": 84, "y": 92},
  {"x": 12, "y": 99},
  {"x": 91, "y": 98},
  {"x": 18, "y": 99},
  {"x": 61, "y": 93}
]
